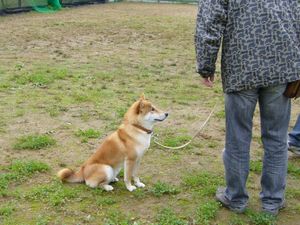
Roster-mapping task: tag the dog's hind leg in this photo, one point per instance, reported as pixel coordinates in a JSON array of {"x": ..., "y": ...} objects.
[
  {"x": 116, "y": 172},
  {"x": 98, "y": 175}
]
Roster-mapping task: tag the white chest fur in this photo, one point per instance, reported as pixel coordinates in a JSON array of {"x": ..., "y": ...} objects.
[{"x": 143, "y": 143}]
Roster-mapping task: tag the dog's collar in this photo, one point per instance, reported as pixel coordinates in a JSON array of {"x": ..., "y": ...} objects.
[{"x": 143, "y": 128}]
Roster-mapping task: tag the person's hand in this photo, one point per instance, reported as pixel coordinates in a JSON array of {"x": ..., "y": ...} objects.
[{"x": 209, "y": 81}]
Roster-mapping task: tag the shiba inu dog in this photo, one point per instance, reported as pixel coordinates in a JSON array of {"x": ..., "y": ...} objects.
[{"x": 126, "y": 146}]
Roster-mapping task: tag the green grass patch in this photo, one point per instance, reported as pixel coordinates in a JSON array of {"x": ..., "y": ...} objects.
[
  {"x": 105, "y": 201},
  {"x": 160, "y": 188},
  {"x": 293, "y": 193},
  {"x": 203, "y": 183},
  {"x": 54, "y": 194},
  {"x": 7, "y": 210},
  {"x": 256, "y": 166},
  {"x": 259, "y": 218},
  {"x": 116, "y": 217},
  {"x": 176, "y": 141},
  {"x": 40, "y": 77},
  {"x": 220, "y": 114},
  {"x": 168, "y": 216},
  {"x": 34, "y": 142},
  {"x": 237, "y": 220},
  {"x": 293, "y": 170},
  {"x": 20, "y": 170},
  {"x": 207, "y": 212},
  {"x": 87, "y": 134}
]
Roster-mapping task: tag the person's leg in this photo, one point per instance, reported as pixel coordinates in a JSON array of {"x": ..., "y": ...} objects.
[
  {"x": 239, "y": 109},
  {"x": 275, "y": 115},
  {"x": 294, "y": 138}
]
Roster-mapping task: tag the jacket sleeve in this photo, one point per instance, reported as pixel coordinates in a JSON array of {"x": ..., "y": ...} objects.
[{"x": 210, "y": 25}]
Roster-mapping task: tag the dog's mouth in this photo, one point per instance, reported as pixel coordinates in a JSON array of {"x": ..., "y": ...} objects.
[{"x": 160, "y": 120}]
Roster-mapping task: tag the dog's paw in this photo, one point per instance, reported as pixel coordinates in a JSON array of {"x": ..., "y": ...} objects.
[
  {"x": 131, "y": 188},
  {"x": 108, "y": 187},
  {"x": 140, "y": 184}
]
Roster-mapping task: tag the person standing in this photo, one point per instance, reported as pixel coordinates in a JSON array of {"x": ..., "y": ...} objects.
[
  {"x": 294, "y": 138},
  {"x": 260, "y": 55}
]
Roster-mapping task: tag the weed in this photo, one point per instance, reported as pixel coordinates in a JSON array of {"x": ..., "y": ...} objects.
[
  {"x": 121, "y": 112},
  {"x": 101, "y": 201},
  {"x": 139, "y": 193},
  {"x": 20, "y": 170},
  {"x": 116, "y": 217},
  {"x": 212, "y": 144},
  {"x": 168, "y": 216},
  {"x": 220, "y": 114},
  {"x": 236, "y": 220},
  {"x": 34, "y": 142},
  {"x": 293, "y": 169},
  {"x": 40, "y": 78},
  {"x": 6, "y": 210},
  {"x": 161, "y": 188},
  {"x": 54, "y": 194},
  {"x": 87, "y": 134},
  {"x": 256, "y": 166},
  {"x": 207, "y": 212},
  {"x": 259, "y": 218},
  {"x": 176, "y": 141},
  {"x": 203, "y": 183},
  {"x": 293, "y": 193},
  {"x": 42, "y": 220}
]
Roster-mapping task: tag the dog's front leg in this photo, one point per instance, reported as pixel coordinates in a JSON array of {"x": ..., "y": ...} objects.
[
  {"x": 128, "y": 169},
  {"x": 136, "y": 179}
]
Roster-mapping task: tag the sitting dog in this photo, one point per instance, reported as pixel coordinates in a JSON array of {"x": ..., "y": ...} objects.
[{"x": 125, "y": 146}]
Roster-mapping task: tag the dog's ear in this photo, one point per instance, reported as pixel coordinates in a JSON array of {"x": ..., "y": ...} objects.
[
  {"x": 140, "y": 106},
  {"x": 142, "y": 97}
]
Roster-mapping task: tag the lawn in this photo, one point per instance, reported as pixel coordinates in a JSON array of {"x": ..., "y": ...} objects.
[{"x": 66, "y": 80}]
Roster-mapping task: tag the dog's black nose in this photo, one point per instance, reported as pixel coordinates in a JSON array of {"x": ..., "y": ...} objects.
[{"x": 166, "y": 114}]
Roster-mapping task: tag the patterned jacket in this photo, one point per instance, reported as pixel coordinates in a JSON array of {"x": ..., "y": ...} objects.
[{"x": 261, "y": 42}]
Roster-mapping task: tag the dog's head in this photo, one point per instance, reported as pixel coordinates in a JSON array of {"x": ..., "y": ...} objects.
[
  {"x": 148, "y": 112},
  {"x": 145, "y": 113}
]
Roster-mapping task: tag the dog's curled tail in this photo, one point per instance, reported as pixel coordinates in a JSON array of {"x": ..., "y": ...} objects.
[{"x": 68, "y": 175}]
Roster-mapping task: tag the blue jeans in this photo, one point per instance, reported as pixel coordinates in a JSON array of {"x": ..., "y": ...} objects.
[
  {"x": 294, "y": 135},
  {"x": 275, "y": 115}
]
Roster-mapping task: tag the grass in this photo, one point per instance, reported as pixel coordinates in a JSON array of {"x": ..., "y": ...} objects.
[
  {"x": 207, "y": 212},
  {"x": 7, "y": 210},
  {"x": 161, "y": 188},
  {"x": 34, "y": 142},
  {"x": 106, "y": 201},
  {"x": 168, "y": 216},
  {"x": 85, "y": 135},
  {"x": 116, "y": 217},
  {"x": 176, "y": 141},
  {"x": 237, "y": 220},
  {"x": 203, "y": 183},
  {"x": 39, "y": 78},
  {"x": 18, "y": 171},
  {"x": 294, "y": 170},
  {"x": 257, "y": 218},
  {"x": 256, "y": 166},
  {"x": 54, "y": 194},
  {"x": 84, "y": 72}
]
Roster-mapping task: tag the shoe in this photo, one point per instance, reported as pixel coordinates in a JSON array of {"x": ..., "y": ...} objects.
[
  {"x": 294, "y": 149},
  {"x": 220, "y": 197},
  {"x": 274, "y": 212}
]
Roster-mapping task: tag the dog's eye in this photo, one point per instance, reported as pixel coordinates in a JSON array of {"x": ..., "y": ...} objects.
[{"x": 152, "y": 109}]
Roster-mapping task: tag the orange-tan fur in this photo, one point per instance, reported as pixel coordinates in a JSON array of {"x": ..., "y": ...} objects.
[{"x": 124, "y": 146}]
